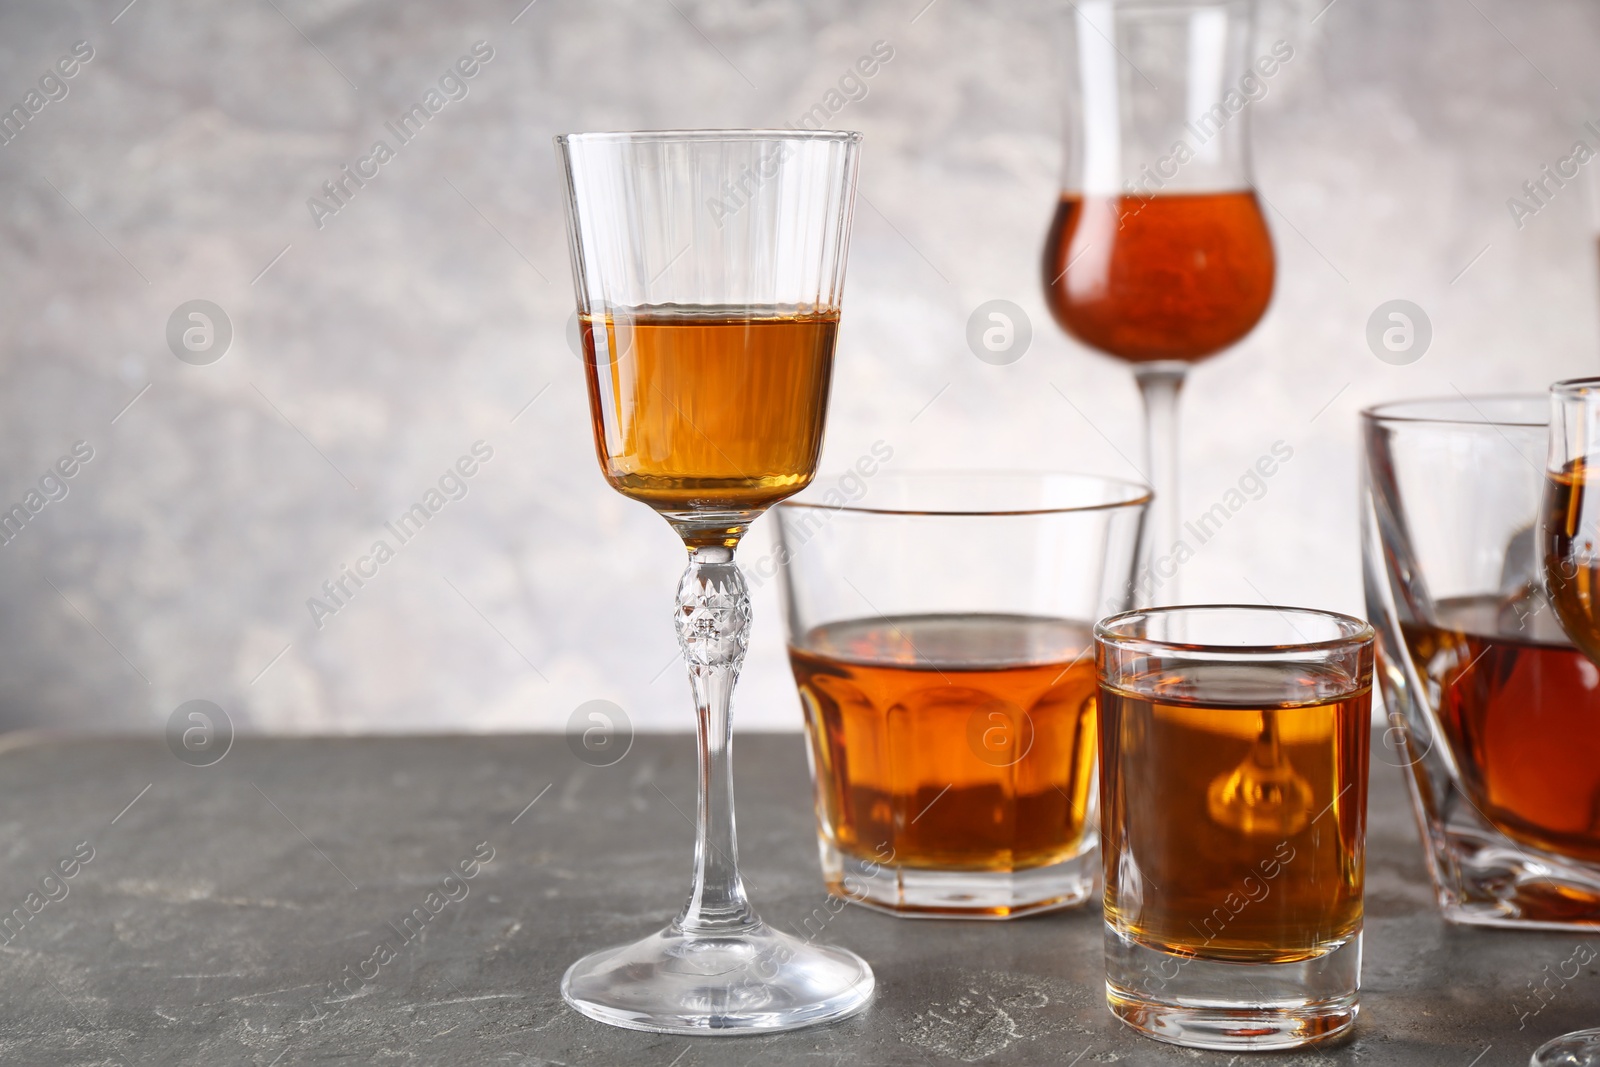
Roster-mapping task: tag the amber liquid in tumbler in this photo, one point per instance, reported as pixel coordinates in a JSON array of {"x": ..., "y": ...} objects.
[
  {"x": 951, "y": 742},
  {"x": 1234, "y": 829},
  {"x": 1176, "y": 276},
  {"x": 707, "y": 408},
  {"x": 1520, "y": 708}
]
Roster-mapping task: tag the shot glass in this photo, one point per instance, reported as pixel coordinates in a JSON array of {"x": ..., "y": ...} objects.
[
  {"x": 940, "y": 631},
  {"x": 1233, "y": 793}
]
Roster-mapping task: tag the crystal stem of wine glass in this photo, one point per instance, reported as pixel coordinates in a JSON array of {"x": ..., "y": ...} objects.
[
  {"x": 1160, "y": 385},
  {"x": 713, "y": 624}
]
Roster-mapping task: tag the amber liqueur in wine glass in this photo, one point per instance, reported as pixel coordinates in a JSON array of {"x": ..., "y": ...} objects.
[
  {"x": 1158, "y": 253},
  {"x": 705, "y": 411},
  {"x": 1569, "y": 531},
  {"x": 708, "y": 324}
]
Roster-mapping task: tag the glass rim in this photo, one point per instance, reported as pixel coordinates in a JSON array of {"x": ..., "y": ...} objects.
[
  {"x": 1357, "y": 632},
  {"x": 1136, "y": 494},
  {"x": 1389, "y": 410},
  {"x": 1575, "y": 387},
  {"x": 692, "y": 136}
]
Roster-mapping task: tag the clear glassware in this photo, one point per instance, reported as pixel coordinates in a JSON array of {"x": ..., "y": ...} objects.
[
  {"x": 1569, "y": 537},
  {"x": 1233, "y": 798},
  {"x": 709, "y": 266},
  {"x": 949, "y": 694},
  {"x": 1490, "y": 705},
  {"x": 1581, "y": 1048},
  {"x": 1158, "y": 253},
  {"x": 1591, "y": 183},
  {"x": 1569, "y": 534}
]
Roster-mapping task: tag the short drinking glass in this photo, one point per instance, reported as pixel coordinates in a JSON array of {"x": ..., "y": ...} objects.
[
  {"x": 939, "y": 630},
  {"x": 1491, "y": 707},
  {"x": 1233, "y": 794}
]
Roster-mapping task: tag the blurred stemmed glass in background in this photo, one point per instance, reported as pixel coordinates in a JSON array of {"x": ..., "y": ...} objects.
[{"x": 1158, "y": 254}]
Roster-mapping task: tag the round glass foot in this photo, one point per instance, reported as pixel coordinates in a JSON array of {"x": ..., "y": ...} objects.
[
  {"x": 751, "y": 980},
  {"x": 1581, "y": 1048}
]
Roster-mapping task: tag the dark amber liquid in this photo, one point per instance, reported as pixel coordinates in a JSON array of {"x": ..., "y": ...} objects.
[
  {"x": 1165, "y": 277},
  {"x": 1185, "y": 875},
  {"x": 961, "y": 742},
  {"x": 698, "y": 408},
  {"x": 1520, "y": 708},
  {"x": 1571, "y": 530}
]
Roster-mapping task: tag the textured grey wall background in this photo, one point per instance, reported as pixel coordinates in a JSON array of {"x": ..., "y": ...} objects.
[{"x": 429, "y": 313}]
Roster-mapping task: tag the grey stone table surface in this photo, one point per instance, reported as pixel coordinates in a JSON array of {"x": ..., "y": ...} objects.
[{"x": 212, "y": 911}]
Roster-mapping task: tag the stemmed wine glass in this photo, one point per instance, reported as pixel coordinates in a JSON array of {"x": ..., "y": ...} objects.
[
  {"x": 1158, "y": 253},
  {"x": 1569, "y": 535},
  {"x": 709, "y": 266}
]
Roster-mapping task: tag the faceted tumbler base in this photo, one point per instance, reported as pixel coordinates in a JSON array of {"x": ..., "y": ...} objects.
[
  {"x": 1232, "y": 1006},
  {"x": 752, "y": 980},
  {"x": 1485, "y": 879},
  {"x": 913, "y": 893},
  {"x": 1580, "y": 1048}
]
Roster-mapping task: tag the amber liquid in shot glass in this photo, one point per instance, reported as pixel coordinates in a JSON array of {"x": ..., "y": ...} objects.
[
  {"x": 1571, "y": 528},
  {"x": 1248, "y": 816}
]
